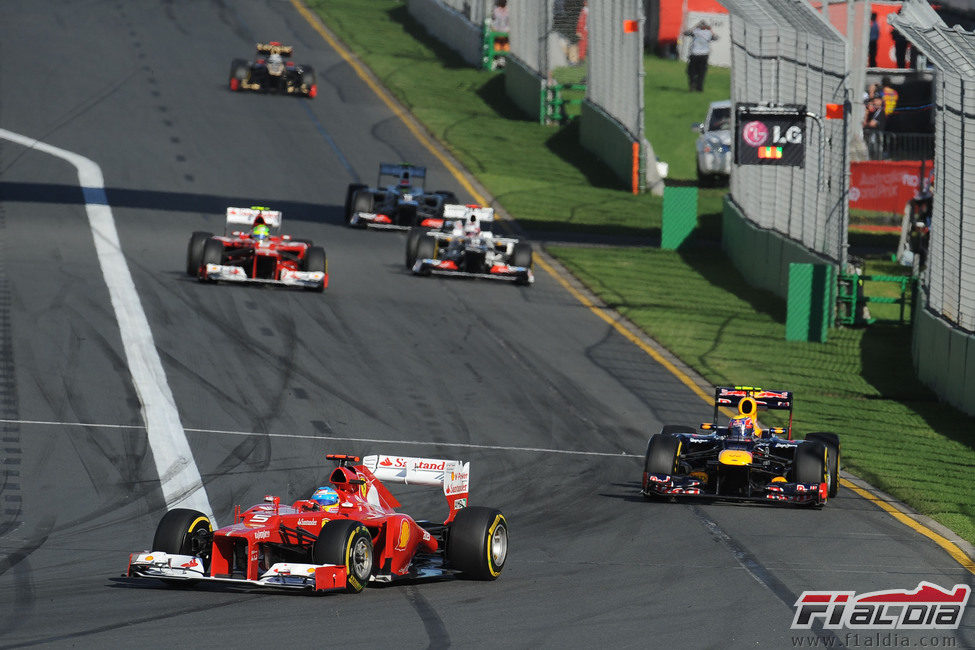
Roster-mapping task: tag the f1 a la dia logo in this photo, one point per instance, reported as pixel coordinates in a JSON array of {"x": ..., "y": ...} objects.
[{"x": 929, "y": 607}]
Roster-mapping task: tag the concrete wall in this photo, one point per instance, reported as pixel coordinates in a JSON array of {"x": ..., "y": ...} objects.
[
  {"x": 524, "y": 87},
  {"x": 450, "y": 27},
  {"x": 944, "y": 358},
  {"x": 762, "y": 256},
  {"x": 605, "y": 137}
]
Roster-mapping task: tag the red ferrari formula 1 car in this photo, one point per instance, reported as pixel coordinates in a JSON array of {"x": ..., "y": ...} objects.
[
  {"x": 743, "y": 461},
  {"x": 259, "y": 254},
  {"x": 345, "y": 543}
]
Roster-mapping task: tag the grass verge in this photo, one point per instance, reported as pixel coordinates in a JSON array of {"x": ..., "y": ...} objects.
[{"x": 860, "y": 383}]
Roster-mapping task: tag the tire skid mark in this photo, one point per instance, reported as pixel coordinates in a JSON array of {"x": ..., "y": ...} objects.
[
  {"x": 759, "y": 572},
  {"x": 11, "y": 452},
  {"x": 432, "y": 623}
]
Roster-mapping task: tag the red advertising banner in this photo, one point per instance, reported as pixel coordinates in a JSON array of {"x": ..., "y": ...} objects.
[{"x": 885, "y": 185}]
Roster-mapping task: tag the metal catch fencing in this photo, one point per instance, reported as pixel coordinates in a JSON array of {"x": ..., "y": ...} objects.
[
  {"x": 785, "y": 52},
  {"x": 949, "y": 278}
]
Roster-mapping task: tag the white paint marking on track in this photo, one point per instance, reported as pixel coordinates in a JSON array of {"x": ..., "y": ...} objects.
[
  {"x": 303, "y": 436},
  {"x": 179, "y": 476}
]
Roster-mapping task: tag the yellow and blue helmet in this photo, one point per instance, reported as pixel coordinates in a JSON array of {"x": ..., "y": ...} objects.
[
  {"x": 325, "y": 497},
  {"x": 260, "y": 231}
]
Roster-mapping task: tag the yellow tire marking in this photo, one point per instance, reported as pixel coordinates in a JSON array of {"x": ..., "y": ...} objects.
[
  {"x": 198, "y": 520},
  {"x": 490, "y": 537},
  {"x": 601, "y": 312}
]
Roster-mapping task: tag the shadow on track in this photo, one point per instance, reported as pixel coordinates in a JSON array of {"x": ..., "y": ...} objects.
[{"x": 169, "y": 201}]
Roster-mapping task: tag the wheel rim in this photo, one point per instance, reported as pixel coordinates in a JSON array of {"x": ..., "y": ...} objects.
[
  {"x": 361, "y": 559},
  {"x": 499, "y": 546}
]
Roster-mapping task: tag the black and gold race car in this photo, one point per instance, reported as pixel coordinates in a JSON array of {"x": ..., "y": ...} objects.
[
  {"x": 743, "y": 461},
  {"x": 272, "y": 71}
]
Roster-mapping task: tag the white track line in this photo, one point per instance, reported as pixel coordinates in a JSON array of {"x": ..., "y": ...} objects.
[
  {"x": 302, "y": 436},
  {"x": 178, "y": 474}
]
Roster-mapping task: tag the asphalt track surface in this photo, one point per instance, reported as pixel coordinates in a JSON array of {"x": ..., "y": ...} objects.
[{"x": 267, "y": 381}]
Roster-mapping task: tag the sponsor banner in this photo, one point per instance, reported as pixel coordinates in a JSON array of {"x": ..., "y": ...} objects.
[{"x": 885, "y": 185}]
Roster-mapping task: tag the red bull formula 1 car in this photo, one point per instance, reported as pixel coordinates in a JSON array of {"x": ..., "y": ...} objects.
[
  {"x": 271, "y": 71},
  {"x": 743, "y": 461},
  {"x": 259, "y": 254},
  {"x": 465, "y": 245},
  {"x": 344, "y": 546}
]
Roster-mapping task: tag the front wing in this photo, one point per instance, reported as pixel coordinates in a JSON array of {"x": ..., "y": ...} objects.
[
  {"x": 230, "y": 273},
  {"x": 286, "y": 575},
  {"x": 781, "y": 492},
  {"x": 498, "y": 272},
  {"x": 375, "y": 220}
]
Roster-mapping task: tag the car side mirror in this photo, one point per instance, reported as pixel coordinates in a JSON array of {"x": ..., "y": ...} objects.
[{"x": 697, "y": 126}]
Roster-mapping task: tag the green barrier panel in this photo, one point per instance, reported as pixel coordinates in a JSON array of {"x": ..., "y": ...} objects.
[
  {"x": 968, "y": 400},
  {"x": 807, "y": 306},
  {"x": 957, "y": 356},
  {"x": 680, "y": 216}
]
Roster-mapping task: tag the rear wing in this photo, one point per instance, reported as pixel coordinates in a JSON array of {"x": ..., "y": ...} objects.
[
  {"x": 275, "y": 48},
  {"x": 453, "y": 476},
  {"x": 485, "y": 216},
  {"x": 413, "y": 174},
  {"x": 765, "y": 400},
  {"x": 247, "y": 216}
]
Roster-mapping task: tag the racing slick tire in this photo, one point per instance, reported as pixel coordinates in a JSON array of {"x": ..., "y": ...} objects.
[
  {"x": 412, "y": 240},
  {"x": 810, "y": 462},
  {"x": 184, "y": 532},
  {"x": 426, "y": 249},
  {"x": 194, "y": 252},
  {"x": 307, "y": 79},
  {"x": 661, "y": 457},
  {"x": 238, "y": 73},
  {"x": 349, "y": 196},
  {"x": 832, "y": 442},
  {"x": 449, "y": 198},
  {"x": 315, "y": 260},
  {"x": 212, "y": 254},
  {"x": 521, "y": 255},
  {"x": 362, "y": 201},
  {"x": 347, "y": 543},
  {"x": 477, "y": 543}
]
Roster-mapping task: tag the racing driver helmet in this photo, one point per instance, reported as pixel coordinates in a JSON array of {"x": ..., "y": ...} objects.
[
  {"x": 260, "y": 232},
  {"x": 326, "y": 497},
  {"x": 472, "y": 227},
  {"x": 741, "y": 428}
]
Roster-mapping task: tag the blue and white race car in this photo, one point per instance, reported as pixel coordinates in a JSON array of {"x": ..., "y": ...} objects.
[{"x": 397, "y": 205}]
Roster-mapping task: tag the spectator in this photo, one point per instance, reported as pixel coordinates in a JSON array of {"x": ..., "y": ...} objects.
[
  {"x": 697, "y": 55},
  {"x": 582, "y": 31},
  {"x": 874, "y": 121},
  {"x": 889, "y": 95},
  {"x": 900, "y": 46},
  {"x": 874, "y": 36}
]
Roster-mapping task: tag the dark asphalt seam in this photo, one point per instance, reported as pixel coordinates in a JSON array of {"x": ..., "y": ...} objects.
[
  {"x": 758, "y": 571},
  {"x": 331, "y": 142},
  {"x": 432, "y": 623}
]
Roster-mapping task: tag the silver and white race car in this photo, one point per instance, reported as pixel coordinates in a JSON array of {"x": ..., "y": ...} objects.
[{"x": 465, "y": 245}]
